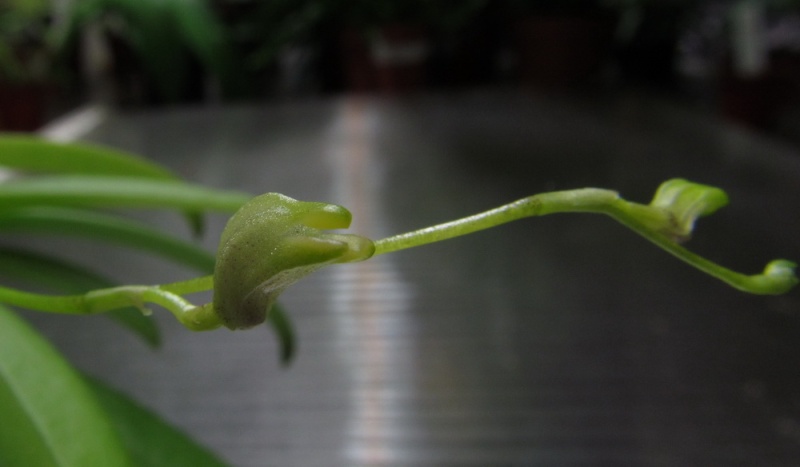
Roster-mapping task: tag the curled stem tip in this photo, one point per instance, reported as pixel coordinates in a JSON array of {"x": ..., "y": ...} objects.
[{"x": 667, "y": 220}]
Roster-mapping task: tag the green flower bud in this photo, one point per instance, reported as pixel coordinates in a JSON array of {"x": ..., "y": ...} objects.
[
  {"x": 684, "y": 202},
  {"x": 778, "y": 277},
  {"x": 269, "y": 244}
]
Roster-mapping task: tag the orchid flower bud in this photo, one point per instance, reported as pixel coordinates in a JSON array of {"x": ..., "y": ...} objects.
[
  {"x": 684, "y": 202},
  {"x": 269, "y": 244},
  {"x": 778, "y": 277}
]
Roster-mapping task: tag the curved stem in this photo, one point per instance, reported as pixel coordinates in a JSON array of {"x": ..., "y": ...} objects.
[
  {"x": 778, "y": 276},
  {"x": 651, "y": 222},
  {"x": 664, "y": 222},
  {"x": 196, "y": 318},
  {"x": 198, "y": 284},
  {"x": 582, "y": 200},
  {"x": 169, "y": 296}
]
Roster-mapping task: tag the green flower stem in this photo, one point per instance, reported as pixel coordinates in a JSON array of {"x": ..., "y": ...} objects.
[
  {"x": 582, "y": 200},
  {"x": 666, "y": 221},
  {"x": 67, "y": 304},
  {"x": 653, "y": 223},
  {"x": 193, "y": 317},
  {"x": 198, "y": 284},
  {"x": 777, "y": 278},
  {"x": 98, "y": 301}
]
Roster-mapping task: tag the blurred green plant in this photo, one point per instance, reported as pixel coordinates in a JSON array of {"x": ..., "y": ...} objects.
[
  {"x": 26, "y": 51},
  {"x": 165, "y": 36},
  {"x": 54, "y": 416},
  {"x": 269, "y": 27}
]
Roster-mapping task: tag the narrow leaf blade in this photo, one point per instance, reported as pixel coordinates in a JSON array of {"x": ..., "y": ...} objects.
[
  {"x": 34, "y": 154},
  {"x": 50, "y": 417},
  {"x": 102, "y": 191},
  {"x": 284, "y": 332},
  {"x": 149, "y": 440},
  {"x": 108, "y": 228}
]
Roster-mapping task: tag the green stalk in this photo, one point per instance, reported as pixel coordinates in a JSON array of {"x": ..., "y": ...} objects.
[
  {"x": 653, "y": 223},
  {"x": 66, "y": 304},
  {"x": 666, "y": 221},
  {"x": 582, "y": 200}
]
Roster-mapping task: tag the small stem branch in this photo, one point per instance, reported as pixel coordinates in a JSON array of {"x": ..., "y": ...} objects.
[
  {"x": 198, "y": 284},
  {"x": 169, "y": 296},
  {"x": 196, "y": 318}
]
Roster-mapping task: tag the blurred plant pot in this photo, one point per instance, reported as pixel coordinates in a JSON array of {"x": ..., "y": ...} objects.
[
  {"x": 392, "y": 60},
  {"x": 130, "y": 83},
  {"x": 563, "y": 51},
  {"x": 22, "y": 106},
  {"x": 399, "y": 52},
  {"x": 749, "y": 101},
  {"x": 357, "y": 65},
  {"x": 757, "y": 101}
]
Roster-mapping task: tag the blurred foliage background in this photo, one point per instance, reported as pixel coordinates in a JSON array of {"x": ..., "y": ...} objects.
[{"x": 739, "y": 58}]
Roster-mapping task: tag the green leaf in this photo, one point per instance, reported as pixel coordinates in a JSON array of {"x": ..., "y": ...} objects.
[
  {"x": 284, "y": 332},
  {"x": 164, "y": 34},
  {"x": 34, "y": 154},
  {"x": 142, "y": 325},
  {"x": 41, "y": 271},
  {"x": 149, "y": 440},
  {"x": 102, "y": 191},
  {"x": 204, "y": 34},
  {"x": 49, "y": 415},
  {"x": 108, "y": 228}
]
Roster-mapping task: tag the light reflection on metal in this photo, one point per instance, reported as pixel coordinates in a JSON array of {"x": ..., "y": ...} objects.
[
  {"x": 75, "y": 125},
  {"x": 369, "y": 300}
]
